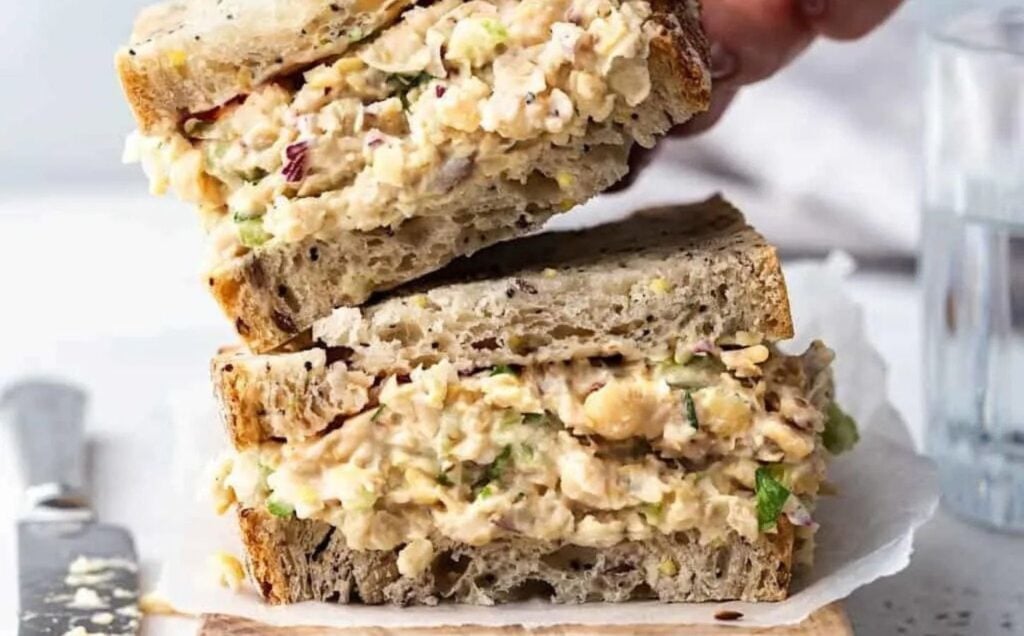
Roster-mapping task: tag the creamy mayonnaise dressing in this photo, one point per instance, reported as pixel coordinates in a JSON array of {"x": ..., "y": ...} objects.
[
  {"x": 444, "y": 94},
  {"x": 591, "y": 452}
]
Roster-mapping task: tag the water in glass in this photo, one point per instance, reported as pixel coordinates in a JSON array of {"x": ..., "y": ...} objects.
[{"x": 972, "y": 264}]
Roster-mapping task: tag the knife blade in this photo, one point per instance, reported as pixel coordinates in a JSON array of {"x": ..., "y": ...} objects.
[{"x": 75, "y": 575}]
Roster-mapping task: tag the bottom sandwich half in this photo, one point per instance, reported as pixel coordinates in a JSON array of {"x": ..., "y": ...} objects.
[
  {"x": 498, "y": 436},
  {"x": 296, "y": 560}
]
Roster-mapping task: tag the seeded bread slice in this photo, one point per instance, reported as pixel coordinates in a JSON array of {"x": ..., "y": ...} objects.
[
  {"x": 275, "y": 292},
  {"x": 293, "y": 560},
  {"x": 633, "y": 288},
  {"x": 189, "y": 56}
]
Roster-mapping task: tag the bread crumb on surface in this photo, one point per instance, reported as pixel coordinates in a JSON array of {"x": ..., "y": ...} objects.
[
  {"x": 228, "y": 570},
  {"x": 154, "y": 604},
  {"x": 102, "y": 618}
]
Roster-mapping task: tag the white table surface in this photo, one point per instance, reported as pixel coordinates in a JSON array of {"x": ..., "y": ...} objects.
[{"x": 105, "y": 291}]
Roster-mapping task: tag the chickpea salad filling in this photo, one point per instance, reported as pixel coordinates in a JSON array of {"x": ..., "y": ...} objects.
[
  {"x": 359, "y": 142},
  {"x": 719, "y": 440}
]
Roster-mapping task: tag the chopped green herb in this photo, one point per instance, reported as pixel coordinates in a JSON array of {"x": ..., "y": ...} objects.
[
  {"x": 355, "y": 34},
  {"x": 251, "y": 232},
  {"x": 691, "y": 411},
  {"x": 771, "y": 497},
  {"x": 502, "y": 369},
  {"x": 444, "y": 480},
  {"x": 401, "y": 84},
  {"x": 653, "y": 512},
  {"x": 840, "y": 430},
  {"x": 495, "y": 29},
  {"x": 255, "y": 175},
  {"x": 510, "y": 418},
  {"x": 494, "y": 471},
  {"x": 694, "y": 373},
  {"x": 501, "y": 463},
  {"x": 376, "y": 414},
  {"x": 280, "y": 509},
  {"x": 524, "y": 452},
  {"x": 519, "y": 497},
  {"x": 242, "y": 217},
  {"x": 536, "y": 419},
  {"x": 485, "y": 492}
]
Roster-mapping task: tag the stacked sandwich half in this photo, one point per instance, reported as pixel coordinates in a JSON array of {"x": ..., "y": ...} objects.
[{"x": 598, "y": 415}]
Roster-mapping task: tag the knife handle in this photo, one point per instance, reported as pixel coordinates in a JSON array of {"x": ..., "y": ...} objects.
[{"x": 46, "y": 420}]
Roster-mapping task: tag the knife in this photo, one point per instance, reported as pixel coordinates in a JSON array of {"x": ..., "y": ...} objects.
[{"x": 75, "y": 575}]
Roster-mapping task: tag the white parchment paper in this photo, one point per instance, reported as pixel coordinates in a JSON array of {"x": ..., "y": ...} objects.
[{"x": 867, "y": 530}]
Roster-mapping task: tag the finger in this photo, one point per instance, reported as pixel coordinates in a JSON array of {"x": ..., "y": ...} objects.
[
  {"x": 720, "y": 100},
  {"x": 753, "y": 38},
  {"x": 846, "y": 19}
]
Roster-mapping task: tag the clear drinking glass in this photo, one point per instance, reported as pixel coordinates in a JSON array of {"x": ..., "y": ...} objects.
[{"x": 972, "y": 263}]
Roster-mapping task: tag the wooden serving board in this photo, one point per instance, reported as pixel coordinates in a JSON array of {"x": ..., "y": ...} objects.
[{"x": 828, "y": 621}]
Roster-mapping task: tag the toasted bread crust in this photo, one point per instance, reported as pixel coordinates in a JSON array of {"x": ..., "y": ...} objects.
[
  {"x": 190, "y": 56},
  {"x": 293, "y": 560}
]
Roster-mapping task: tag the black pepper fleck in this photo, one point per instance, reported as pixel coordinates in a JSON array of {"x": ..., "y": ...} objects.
[
  {"x": 728, "y": 615},
  {"x": 334, "y": 6},
  {"x": 308, "y": 365},
  {"x": 314, "y": 254},
  {"x": 283, "y": 322},
  {"x": 131, "y": 52},
  {"x": 229, "y": 367}
]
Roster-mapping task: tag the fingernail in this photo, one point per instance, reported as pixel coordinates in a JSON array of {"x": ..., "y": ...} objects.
[
  {"x": 723, "y": 62},
  {"x": 814, "y": 8}
]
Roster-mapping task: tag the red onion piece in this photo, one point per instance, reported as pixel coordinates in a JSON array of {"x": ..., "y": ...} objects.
[{"x": 295, "y": 168}]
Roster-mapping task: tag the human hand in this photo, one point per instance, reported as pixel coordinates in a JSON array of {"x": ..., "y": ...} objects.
[{"x": 753, "y": 39}]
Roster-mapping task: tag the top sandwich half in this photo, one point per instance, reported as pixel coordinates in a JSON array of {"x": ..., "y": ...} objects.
[{"x": 339, "y": 149}]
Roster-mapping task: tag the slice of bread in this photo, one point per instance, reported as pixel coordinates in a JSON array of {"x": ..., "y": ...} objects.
[
  {"x": 634, "y": 288},
  {"x": 189, "y": 56},
  {"x": 295, "y": 560},
  {"x": 276, "y": 291}
]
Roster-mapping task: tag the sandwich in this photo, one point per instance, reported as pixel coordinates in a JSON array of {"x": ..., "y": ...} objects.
[
  {"x": 339, "y": 149},
  {"x": 600, "y": 415}
]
